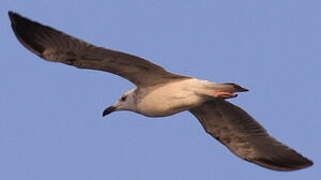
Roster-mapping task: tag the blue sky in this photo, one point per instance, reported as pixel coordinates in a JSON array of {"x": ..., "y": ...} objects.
[{"x": 51, "y": 125}]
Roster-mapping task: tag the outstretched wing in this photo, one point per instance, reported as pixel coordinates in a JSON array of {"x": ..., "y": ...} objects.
[
  {"x": 246, "y": 138},
  {"x": 56, "y": 46}
]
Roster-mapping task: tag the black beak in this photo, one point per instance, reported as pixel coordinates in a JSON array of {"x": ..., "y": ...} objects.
[{"x": 109, "y": 110}]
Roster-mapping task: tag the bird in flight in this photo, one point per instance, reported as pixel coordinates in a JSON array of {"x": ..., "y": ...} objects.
[{"x": 160, "y": 93}]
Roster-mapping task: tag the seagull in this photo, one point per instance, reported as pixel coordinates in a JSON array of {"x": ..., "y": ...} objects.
[{"x": 160, "y": 93}]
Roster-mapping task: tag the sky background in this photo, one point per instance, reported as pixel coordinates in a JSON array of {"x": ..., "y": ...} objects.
[{"x": 51, "y": 126}]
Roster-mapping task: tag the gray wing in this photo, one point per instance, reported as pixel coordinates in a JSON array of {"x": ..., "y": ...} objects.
[
  {"x": 246, "y": 138},
  {"x": 56, "y": 46}
]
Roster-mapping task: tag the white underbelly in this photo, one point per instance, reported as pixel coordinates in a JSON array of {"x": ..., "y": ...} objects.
[{"x": 168, "y": 100}]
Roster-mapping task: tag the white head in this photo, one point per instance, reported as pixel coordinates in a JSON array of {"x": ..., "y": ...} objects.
[{"x": 126, "y": 102}]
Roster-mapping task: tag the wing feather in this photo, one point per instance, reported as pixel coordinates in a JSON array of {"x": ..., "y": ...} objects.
[
  {"x": 53, "y": 45},
  {"x": 246, "y": 138}
]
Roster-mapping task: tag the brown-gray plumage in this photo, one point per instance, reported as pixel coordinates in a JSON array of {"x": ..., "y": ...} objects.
[
  {"x": 229, "y": 124},
  {"x": 56, "y": 46},
  {"x": 246, "y": 138}
]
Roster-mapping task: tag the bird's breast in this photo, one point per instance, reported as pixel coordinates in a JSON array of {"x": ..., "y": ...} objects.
[{"x": 168, "y": 100}]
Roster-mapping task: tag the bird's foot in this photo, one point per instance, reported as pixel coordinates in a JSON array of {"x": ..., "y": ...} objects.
[{"x": 224, "y": 94}]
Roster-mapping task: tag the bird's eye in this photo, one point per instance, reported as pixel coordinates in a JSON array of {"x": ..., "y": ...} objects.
[{"x": 123, "y": 98}]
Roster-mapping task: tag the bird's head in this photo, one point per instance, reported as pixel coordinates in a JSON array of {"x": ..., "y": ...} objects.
[{"x": 125, "y": 102}]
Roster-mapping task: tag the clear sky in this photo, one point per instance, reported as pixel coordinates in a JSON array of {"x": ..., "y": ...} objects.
[{"x": 51, "y": 126}]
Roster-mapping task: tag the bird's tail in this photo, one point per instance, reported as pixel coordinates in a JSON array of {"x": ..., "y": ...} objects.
[
  {"x": 222, "y": 90},
  {"x": 227, "y": 87}
]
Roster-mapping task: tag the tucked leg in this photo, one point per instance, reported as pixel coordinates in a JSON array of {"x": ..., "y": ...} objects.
[{"x": 224, "y": 94}]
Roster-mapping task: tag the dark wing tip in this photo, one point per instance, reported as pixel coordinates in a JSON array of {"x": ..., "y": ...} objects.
[
  {"x": 17, "y": 20},
  {"x": 13, "y": 16},
  {"x": 285, "y": 164},
  {"x": 26, "y": 32}
]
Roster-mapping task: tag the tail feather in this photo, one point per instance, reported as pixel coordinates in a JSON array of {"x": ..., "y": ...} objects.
[
  {"x": 228, "y": 87},
  {"x": 234, "y": 87}
]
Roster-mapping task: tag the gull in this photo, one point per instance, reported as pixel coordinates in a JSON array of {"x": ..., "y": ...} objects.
[{"x": 160, "y": 93}]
